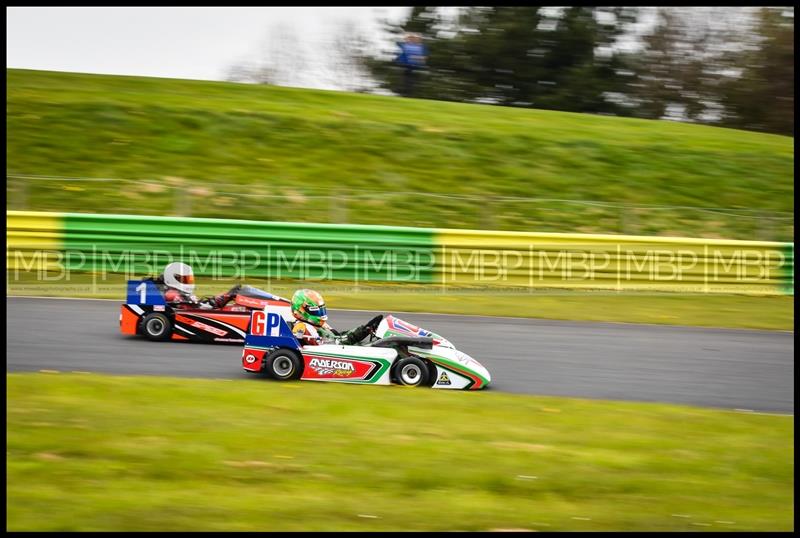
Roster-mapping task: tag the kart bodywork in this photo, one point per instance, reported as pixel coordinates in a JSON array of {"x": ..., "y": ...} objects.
[
  {"x": 147, "y": 313},
  {"x": 400, "y": 353}
]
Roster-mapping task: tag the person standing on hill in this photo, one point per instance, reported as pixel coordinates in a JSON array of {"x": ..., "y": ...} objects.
[{"x": 412, "y": 58}]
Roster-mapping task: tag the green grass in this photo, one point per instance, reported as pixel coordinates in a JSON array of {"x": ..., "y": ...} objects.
[
  {"x": 90, "y": 452},
  {"x": 295, "y": 144},
  {"x": 709, "y": 310}
]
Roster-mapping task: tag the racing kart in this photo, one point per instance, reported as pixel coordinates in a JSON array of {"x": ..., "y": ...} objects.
[
  {"x": 147, "y": 313},
  {"x": 396, "y": 353}
]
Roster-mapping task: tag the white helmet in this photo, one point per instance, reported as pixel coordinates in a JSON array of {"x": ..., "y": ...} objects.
[{"x": 180, "y": 276}]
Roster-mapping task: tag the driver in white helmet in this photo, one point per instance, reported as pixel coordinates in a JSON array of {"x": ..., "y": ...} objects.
[{"x": 177, "y": 285}]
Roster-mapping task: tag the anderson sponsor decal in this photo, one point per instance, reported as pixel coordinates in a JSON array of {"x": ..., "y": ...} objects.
[
  {"x": 337, "y": 368},
  {"x": 326, "y": 367}
]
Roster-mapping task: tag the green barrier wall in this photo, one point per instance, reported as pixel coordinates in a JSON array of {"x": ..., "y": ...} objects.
[
  {"x": 142, "y": 245},
  {"x": 263, "y": 249}
]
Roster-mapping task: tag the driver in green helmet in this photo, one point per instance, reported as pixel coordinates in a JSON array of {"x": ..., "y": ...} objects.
[{"x": 311, "y": 327}]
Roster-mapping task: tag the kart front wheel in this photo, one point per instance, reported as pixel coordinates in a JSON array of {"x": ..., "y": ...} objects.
[
  {"x": 283, "y": 365},
  {"x": 157, "y": 326},
  {"x": 412, "y": 372}
]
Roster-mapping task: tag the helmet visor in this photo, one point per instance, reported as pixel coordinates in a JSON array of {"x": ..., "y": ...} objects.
[
  {"x": 318, "y": 311},
  {"x": 185, "y": 279}
]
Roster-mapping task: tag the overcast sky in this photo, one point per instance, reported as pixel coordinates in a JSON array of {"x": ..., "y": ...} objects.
[{"x": 194, "y": 43}]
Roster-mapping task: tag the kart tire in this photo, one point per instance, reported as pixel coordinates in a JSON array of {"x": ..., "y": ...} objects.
[
  {"x": 283, "y": 365},
  {"x": 432, "y": 371},
  {"x": 157, "y": 327},
  {"x": 411, "y": 372}
]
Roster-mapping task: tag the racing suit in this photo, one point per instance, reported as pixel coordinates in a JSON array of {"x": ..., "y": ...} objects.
[{"x": 311, "y": 335}]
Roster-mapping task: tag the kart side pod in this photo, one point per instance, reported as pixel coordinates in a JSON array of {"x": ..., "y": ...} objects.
[{"x": 268, "y": 330}]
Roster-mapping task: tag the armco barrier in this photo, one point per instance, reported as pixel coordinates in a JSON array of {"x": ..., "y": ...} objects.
[{"x": 140, "y": 245}]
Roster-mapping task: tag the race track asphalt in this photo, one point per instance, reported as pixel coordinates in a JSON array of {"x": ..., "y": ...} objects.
[{"x": 727, "y": 368}]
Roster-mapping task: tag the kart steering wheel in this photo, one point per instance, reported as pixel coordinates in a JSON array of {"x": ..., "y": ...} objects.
[{"x": 372, "y": 326}]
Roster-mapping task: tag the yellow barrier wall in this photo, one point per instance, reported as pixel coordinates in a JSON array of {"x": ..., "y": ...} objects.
[
  {"x": 613, "y": 262},
  {"x": 34, "y": 240}
]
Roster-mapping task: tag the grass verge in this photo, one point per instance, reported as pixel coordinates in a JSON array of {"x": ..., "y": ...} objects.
[
  {"x": 709, "y": 310},
  {"x": 92, "y": 452},
  {"x": 215, "y": 149}
]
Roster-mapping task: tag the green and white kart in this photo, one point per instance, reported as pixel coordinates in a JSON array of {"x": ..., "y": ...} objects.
[{"x": 397, "y": 353}]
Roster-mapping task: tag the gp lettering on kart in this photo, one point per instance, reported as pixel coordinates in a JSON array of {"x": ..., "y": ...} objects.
[{"x": 263, "y": 324}]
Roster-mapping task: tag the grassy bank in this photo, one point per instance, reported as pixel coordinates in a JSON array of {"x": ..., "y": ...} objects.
[
  {"x": 710, "y": 310},
  {"x": 214, "y": 149},
  {"x": 92, "y": 452}
]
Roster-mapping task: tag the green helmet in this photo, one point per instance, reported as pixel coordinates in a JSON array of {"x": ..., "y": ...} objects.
[{"x": 308, "y": 305}]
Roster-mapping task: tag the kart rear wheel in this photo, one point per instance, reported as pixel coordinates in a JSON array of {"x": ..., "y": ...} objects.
[
  {"x": 283, "y": 365},
  {"x": 411, "y": 372},
  {"x": 157, "y": 327},
  {"x": 432, "y": 375}
]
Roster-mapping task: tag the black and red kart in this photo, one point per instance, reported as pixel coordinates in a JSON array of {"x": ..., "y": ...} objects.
[{"x": 147, "y": 313}]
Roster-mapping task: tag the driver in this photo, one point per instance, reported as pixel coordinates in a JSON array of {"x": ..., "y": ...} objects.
[
  {"x": 177, "y": 285},
  {"x": 311, "y": 327}
]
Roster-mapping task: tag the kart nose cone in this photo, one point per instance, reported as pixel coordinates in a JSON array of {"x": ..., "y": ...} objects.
[
  {"x": 483, "y": 372},
  {"x": 475, "y": 367},
  {"x": 487, "y": 375}
]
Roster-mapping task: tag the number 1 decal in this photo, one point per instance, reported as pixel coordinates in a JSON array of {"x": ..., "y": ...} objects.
[
  {"x": 144, "y": 292},
  {"x": 142, "y": 289}
]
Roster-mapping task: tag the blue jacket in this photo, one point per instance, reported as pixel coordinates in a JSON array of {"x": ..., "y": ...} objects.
[{"x": 411, "y": 55}]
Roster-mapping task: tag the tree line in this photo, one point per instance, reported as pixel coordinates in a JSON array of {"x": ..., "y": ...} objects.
[
  {"x": 720, "y": 66},
  {"x": 730, "y": 67}
]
